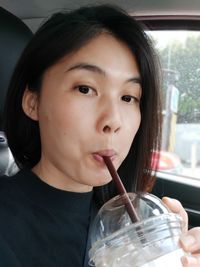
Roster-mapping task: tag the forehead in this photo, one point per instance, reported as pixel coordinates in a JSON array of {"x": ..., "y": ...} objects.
[{"x": 105, "y": 51}]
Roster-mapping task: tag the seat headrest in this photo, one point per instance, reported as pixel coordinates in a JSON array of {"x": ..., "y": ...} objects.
[
  {"x": 14, "y": 35},
  {"x": 7, "y": 164}
]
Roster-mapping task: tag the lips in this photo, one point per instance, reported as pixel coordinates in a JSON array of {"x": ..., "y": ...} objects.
[{"x": 108, "y": 153}]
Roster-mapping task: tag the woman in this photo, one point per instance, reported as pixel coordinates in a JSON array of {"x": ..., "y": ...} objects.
[{"x": 85, "y": 87}]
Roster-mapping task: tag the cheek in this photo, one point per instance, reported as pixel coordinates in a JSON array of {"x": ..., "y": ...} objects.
[
  {"x": 66, "y": 120},
  {"x": 133, "y": 125}
]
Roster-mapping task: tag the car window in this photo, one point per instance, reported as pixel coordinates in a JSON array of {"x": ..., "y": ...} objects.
[{"x": 179, "y": 52}]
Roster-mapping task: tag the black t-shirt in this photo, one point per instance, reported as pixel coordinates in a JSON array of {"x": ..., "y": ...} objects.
[{"x": 40, "y": 225}]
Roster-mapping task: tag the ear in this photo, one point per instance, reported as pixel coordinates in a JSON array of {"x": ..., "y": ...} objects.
[{"x": 30, "y": 104}]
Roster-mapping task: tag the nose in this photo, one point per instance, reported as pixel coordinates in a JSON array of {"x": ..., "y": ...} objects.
[{"x": 110, "y": 118}]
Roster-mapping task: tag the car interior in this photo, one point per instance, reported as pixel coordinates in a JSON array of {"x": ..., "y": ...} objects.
[{"x": 178, "y": 179}]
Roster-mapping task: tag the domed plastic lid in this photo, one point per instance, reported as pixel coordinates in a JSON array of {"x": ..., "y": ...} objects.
[
  {"x": 113, "y": 216},
  {"x": 115, "y": 237}
]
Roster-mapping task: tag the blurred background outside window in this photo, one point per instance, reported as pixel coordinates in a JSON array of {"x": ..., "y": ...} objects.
[{"x": 179, "y": 53}]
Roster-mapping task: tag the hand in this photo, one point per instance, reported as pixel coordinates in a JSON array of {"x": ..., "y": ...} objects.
[{"x": 190, "y": 240}]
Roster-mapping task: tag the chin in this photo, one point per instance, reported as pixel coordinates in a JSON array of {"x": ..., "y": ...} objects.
[{"x": 102, "y": 182}]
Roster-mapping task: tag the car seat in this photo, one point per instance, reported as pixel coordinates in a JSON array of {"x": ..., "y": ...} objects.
[{"x": 14, "y": 35}]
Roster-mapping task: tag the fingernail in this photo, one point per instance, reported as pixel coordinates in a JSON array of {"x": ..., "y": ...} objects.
[
  {"x": 167, "y": 198},
  {"x": 187, "y": 240}
]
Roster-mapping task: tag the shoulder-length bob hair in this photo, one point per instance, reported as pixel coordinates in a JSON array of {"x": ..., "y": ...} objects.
[{"x": 65, "y": 33}]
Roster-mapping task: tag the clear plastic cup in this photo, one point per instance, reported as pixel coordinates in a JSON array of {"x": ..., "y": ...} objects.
[{"x": 151, "y": 242}]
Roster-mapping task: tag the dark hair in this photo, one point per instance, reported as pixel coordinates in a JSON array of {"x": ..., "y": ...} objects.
[{"x": 65, "y": 33}]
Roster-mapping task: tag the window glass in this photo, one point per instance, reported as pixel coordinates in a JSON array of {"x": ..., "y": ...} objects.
[{"x": 180, "y": 60}]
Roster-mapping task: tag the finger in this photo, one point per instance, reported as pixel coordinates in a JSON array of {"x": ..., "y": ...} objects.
[
  {"x": 175, "y": 206},
  {"x": 191, "y": 241},
  {"x": 191, "y": 261}
]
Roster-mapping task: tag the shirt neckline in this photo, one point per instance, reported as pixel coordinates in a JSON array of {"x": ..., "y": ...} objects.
[{"x": 48, "y": 196}]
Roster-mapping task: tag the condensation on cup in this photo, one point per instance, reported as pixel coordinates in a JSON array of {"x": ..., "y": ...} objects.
[{"x": 151, "y": 242}]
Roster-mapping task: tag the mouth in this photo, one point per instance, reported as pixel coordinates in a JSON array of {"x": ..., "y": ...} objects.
[{"x": 98, "y": 156}]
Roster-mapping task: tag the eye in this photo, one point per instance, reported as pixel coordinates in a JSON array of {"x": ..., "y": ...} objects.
[
  {"x": 130, "y": 99},
  {"x": 86, "y": 90}
]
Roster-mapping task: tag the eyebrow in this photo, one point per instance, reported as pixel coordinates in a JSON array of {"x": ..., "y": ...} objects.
[
  {"x": 96, "y": 69},
  {"x": 86, "y": 66},
  {"x": 135, "y": 80}
]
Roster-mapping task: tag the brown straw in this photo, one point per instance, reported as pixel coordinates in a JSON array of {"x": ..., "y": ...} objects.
[{"x": 121, "y": 190}]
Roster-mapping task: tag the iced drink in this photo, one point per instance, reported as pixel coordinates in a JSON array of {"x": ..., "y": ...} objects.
[{"x": 151, "y": 242}]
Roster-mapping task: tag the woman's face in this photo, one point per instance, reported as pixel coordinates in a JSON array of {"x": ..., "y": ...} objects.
[{"x": 89, "y": 107}]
